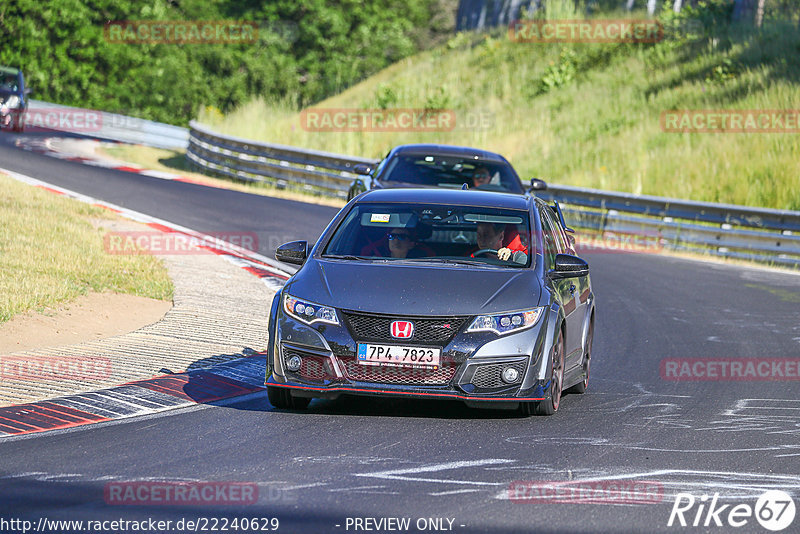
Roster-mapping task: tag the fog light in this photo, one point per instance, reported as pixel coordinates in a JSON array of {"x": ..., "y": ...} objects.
[
  {"x": 510, "y": 375},
  {"x": 293, "y": 363}
]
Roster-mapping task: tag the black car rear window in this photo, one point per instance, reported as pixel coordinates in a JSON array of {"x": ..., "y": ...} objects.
[{"x": 449, "y": 171}]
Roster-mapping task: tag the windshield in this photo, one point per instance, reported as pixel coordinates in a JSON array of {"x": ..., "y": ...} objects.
[
  {"x": 8, "y": 82},
  {"x": 450, "y": 171},
  {"x": 434, "y": 233}
]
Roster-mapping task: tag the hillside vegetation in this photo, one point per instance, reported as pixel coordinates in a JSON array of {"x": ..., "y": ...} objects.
[{"x": 588, "y": 114}]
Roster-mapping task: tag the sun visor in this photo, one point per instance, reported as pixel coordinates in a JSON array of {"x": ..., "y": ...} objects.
[{"x": 498, "y": 219}]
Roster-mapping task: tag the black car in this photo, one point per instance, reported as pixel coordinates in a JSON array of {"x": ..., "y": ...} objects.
[
  {"x": 13, "y": 99},
  {"x": 441, "y": 166},
  {"x": 432, "y": 293}
]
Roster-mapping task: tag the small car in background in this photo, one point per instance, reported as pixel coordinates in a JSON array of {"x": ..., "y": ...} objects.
[
  {"x": 447, "y": 166},
  {"x": 13, "y": 99},
  {"x": 433, "y": 293}
]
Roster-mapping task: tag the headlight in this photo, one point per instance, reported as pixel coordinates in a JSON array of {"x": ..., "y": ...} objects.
[
  {"x": 12, "y": 102},
  {"x": 309, "y": 312},
  {"x": 505, "y": 323}
]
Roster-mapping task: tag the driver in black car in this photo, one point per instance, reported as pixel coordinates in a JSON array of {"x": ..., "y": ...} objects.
[{"x": 481, "y": 176}]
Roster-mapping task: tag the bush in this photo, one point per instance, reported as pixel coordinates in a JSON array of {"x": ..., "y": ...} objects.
[{"x": 306, "y": 51}]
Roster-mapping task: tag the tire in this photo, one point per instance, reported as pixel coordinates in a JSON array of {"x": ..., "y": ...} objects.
[
  {"x": 17, "y": 122},
  {"x": 552, "y": 399},
  {"x": 580, "y": 387},
  {"x": 282, "y": 399}
]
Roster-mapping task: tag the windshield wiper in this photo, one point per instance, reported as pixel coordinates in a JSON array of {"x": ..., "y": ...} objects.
[
  {"x": 447, "y": 260},
  {"x": 345, "y": 257}
]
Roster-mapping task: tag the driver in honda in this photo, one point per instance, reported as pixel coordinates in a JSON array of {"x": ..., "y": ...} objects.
[{"x": 490, "y": 237}]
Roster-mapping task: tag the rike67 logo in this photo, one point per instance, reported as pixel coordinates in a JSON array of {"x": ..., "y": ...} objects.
[{"x": 774, "y": 510}]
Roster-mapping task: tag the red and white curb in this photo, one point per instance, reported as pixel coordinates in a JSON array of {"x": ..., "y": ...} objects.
[
  {"x": 47, "y": 146},
  {"x": 224, "y": 381},
  {"x": 142, "y": 397}
]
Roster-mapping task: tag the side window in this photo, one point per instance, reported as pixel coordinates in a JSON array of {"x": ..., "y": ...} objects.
[
  {"x": 382, "y": 166},
  {"x": 550, "y": 244}
]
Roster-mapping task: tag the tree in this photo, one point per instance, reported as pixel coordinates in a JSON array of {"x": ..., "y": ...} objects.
[
  {"x": 744, "y": 10},
  {"x": 760, "y": 12}
]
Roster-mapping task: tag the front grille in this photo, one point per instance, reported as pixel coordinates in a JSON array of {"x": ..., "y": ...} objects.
[
  {"x": 427, "y": 330},
  {"x": 312, "y": 367},
  {"x": 399, "y": 375},
  {"x": 490, "y": 376}
]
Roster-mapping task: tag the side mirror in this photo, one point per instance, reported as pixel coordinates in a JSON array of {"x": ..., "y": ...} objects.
[
  {"x": 569, "y": 266},
  {"x": 356, "y": 188},
  {"x": 27, "y": 91},
  {"x": 294, "y": 252},
  {"x": 363, "y": 169},
  {"x": 538, "y": 185}
]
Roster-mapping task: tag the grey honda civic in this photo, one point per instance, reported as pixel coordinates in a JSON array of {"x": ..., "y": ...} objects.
[{"x": 440, "y": 294}]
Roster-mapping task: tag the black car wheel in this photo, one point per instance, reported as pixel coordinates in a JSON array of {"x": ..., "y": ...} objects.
[
  {"x": 17, "y": 122},
  {"x": 581, "y": 386},
  {"x": 553, "y": 397},
  {"x": 283, "y": 400}
]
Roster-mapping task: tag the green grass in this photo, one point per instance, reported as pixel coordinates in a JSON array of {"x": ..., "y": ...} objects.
[
  {"x": 585, "y": 114},
  {"x": 51, "y": 252}
]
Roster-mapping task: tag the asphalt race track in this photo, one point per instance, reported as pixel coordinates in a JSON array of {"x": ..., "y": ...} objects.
[{"x": 424, "y": 459}]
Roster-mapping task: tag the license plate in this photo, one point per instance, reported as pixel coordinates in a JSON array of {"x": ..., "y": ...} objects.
[{"x": 399, "y": 356}]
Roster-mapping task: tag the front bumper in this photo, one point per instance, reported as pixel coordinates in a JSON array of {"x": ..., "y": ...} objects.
[
  {"x": 372, "y": 389},
  {"x": 470, "y": 370}
]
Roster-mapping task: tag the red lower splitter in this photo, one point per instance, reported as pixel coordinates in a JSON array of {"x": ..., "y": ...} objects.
[
  {"x": 42, "y": 416},
  {"x": 198, "y": 386}
]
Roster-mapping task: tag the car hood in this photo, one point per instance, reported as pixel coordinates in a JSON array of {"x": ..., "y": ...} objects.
[{"x": 415, "y": 289}]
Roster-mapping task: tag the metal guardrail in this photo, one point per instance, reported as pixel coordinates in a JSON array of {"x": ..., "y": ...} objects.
[
  {"x": 284, "y": 166},
  {"x": 110, "y": 126},
  {"x": 759, "y": 234}
]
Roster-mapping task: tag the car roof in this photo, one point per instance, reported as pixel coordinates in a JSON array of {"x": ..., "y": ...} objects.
[
  {"x": 457, "y": 197},
  {"x": 449, "y": 150}
]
